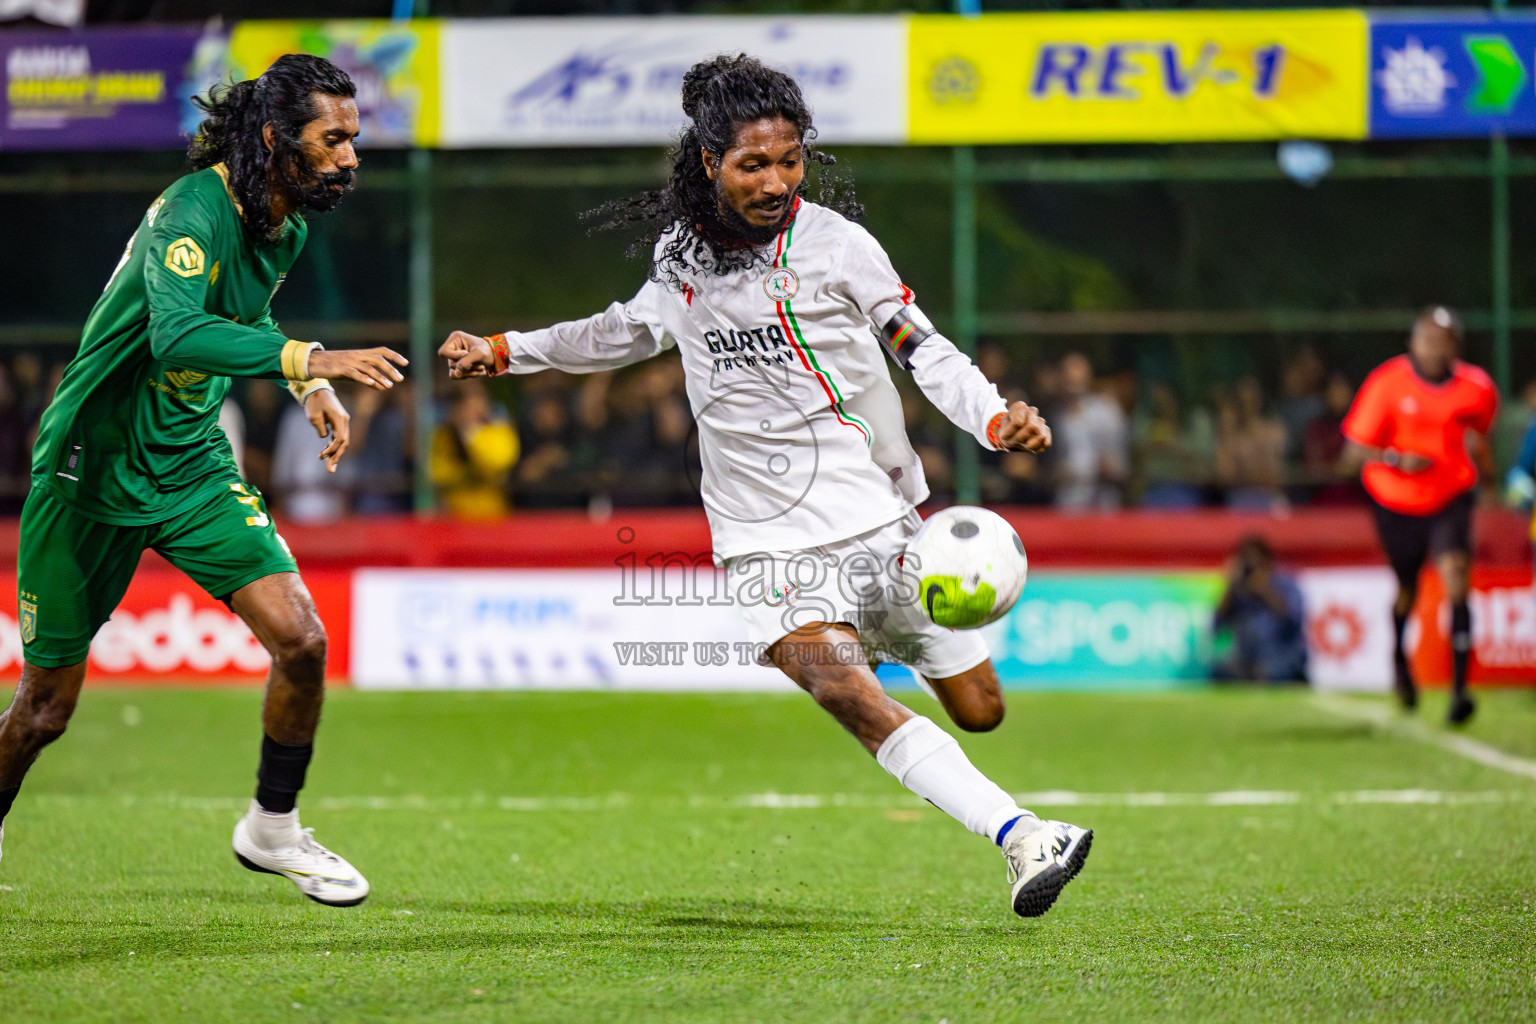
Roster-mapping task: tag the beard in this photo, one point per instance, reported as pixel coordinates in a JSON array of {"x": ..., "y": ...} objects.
[
  {"x": 737, "y": 226},
  {"x": 322, "y": 193}
]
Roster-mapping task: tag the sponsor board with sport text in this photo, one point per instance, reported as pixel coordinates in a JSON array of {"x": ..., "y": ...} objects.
[
  {"x": 525, "y": 629},
  {"x": 593, "y": 628}
]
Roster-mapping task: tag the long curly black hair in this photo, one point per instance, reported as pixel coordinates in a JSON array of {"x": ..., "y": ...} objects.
[
  {"x": 719, "y": 97},
  {"x": 232, "y": 134}
]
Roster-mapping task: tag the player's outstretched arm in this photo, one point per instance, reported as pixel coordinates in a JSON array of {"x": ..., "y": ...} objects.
[
  {"x": 964, "y": 395},
  {"x": 624, "y": 333},
  {"x": 177, "y": 274},
  {"x": 374, "y": 367},
  {"x": 468, "y": 355}
]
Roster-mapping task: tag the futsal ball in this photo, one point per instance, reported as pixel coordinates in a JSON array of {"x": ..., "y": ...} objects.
[{"x": 970, "y": 566}]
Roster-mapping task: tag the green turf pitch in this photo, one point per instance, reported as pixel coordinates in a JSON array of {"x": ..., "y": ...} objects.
[{"x": 602, "y": 857}]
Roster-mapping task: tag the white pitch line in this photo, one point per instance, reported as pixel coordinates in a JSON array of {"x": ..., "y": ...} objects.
[
  {"x": 804, "y": 801},
  {"x": 1385, "y": 718}
]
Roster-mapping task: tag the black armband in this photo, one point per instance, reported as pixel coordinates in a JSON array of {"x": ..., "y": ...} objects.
[{"x": 901, "y": 336}]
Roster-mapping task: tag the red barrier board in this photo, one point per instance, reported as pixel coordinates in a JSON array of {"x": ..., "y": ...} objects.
[
  {"x": 1124, "y": 540},
  {"x": 168, "y": 631},
  {"x": 1503, "y": 605}
]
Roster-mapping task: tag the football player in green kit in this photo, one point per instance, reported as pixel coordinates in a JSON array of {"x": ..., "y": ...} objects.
[{"x": 129, "y": 455}]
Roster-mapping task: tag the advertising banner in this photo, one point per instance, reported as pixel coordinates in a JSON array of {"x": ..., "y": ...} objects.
[
  {"x": 548, "y": 629},
  {"x": 1349, "y": 627},
  {"x": 1108, "y": 630},
  {"x": 105, "y": 88},
  {"x": 393, "y": 63},
  {"x": 1452, "y": 76},
  {"x": 1503, "y": 605},
  {"x": 168, "y": 631},
  {"x": 618, "y": 81},
  {"x": 1137, "y": 77},
  {"x": 590, "y": 629}
]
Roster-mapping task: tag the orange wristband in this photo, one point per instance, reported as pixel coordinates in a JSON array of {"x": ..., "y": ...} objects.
[
  {"x": 992, "y": 431},
  {"x": 500, "y": 351}
]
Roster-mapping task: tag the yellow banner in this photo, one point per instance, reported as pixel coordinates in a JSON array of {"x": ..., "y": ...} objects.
[
  {"x": 393, "y": 63},
  {"x": 1138, "y": 77}
]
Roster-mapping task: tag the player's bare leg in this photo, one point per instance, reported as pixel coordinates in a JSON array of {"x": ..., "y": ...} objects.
[
  {"x": 40, "y": 711},
  {"x": 824, "y": 660},
  {"x": 282, "y": 616},
  {"x": 973, "y": 699},
  {"x": 827, "y": 661},
  {"x": 1456, "y": 575}
]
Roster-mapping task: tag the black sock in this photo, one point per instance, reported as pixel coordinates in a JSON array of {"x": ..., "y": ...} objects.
[
  {"x": 1399, "y": 656},
  {"x": 7, "y": 797},
  {"x": 1461, "y": 646},
  {"x": 281, "y": 774}
]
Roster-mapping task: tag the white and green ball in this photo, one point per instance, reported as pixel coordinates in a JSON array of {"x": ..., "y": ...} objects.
[{"x": 970, "y": 566}]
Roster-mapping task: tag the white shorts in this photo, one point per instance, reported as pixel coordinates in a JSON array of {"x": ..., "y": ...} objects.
[{"x": 859, "y": 581}]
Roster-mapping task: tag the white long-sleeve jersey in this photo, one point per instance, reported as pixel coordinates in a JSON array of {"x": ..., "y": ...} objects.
[{"x": 801, "y": 435}]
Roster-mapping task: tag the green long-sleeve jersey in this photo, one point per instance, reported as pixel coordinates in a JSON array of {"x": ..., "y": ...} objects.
[{"x": 132, "y": 434}]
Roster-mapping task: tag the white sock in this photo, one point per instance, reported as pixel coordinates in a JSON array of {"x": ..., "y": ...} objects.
[
  {"x": 272, "y": 831},
  {"x": 928, "y": 761}
]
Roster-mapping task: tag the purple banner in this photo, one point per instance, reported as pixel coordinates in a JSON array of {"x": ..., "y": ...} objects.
[{"x": 105, "y": 89}]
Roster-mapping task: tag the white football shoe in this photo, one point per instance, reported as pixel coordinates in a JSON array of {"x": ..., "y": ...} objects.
[
  {"x": 1042, "y": 861},
  {"x": 2, "y": 840},
  {"x": 274, "y": 843}
]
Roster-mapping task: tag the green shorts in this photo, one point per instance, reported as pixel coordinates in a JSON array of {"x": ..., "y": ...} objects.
[{"x": 72, "y": 571}]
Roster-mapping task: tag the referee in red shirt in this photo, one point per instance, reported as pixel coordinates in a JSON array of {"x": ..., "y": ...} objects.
[{"x": 1409, "y": 427}]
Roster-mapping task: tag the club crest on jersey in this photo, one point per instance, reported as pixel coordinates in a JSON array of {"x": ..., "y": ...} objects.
[
  {"x": 185, "y": 257},
  {"x": 782, "y": 284},
  {"x": 785, "y": 595}
]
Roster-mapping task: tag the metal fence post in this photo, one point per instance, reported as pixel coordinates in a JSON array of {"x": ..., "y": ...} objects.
[
  {"x": 423, "y": 361},
  {"x": 967, "y": 461},
  {"x": 1499, "y": 172}
]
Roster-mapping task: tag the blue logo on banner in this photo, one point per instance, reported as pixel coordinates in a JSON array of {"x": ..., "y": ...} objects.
[{"x": 1450, "y": 78}]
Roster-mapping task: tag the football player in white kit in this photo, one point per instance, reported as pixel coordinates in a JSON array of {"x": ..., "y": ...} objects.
[{"x": 784, "y": 313}]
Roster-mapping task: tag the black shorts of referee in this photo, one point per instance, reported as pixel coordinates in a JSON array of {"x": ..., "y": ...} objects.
[{"x": 1410, "y": 541}]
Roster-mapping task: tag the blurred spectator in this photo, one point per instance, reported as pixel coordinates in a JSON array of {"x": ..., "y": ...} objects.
[
  {"x": 1090, "y": 441},
  {"x": 15, "y": 451},
  {"x": 28, "y": 376},
  {"x": 1017, "y": 478},
  {"x": 994, "y": 362},
  {"x": 1174, "y": 453},
  {"x": 232, "y": 422},
  {"x": 265, "y": 402},
  {"x": 648, "y": 454},
  {"x": 383, "y": 448},
  {"x": 473, "y": 452},
  {"x": 1520, "y": 481},
  {"x": 1262, "y": 609},
  {"x": 932, "y": 445},
  {"x": 1301, "y": 399},
  {"x": 306, "y": 491},
  {"x": 1323, "y": 445},
  {"x": 559, "y": 458},
  {"x": 1249, "y": 450}
]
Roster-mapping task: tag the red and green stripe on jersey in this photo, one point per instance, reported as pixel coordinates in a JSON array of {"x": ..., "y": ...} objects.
[{"x": 797, "y": 337}]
